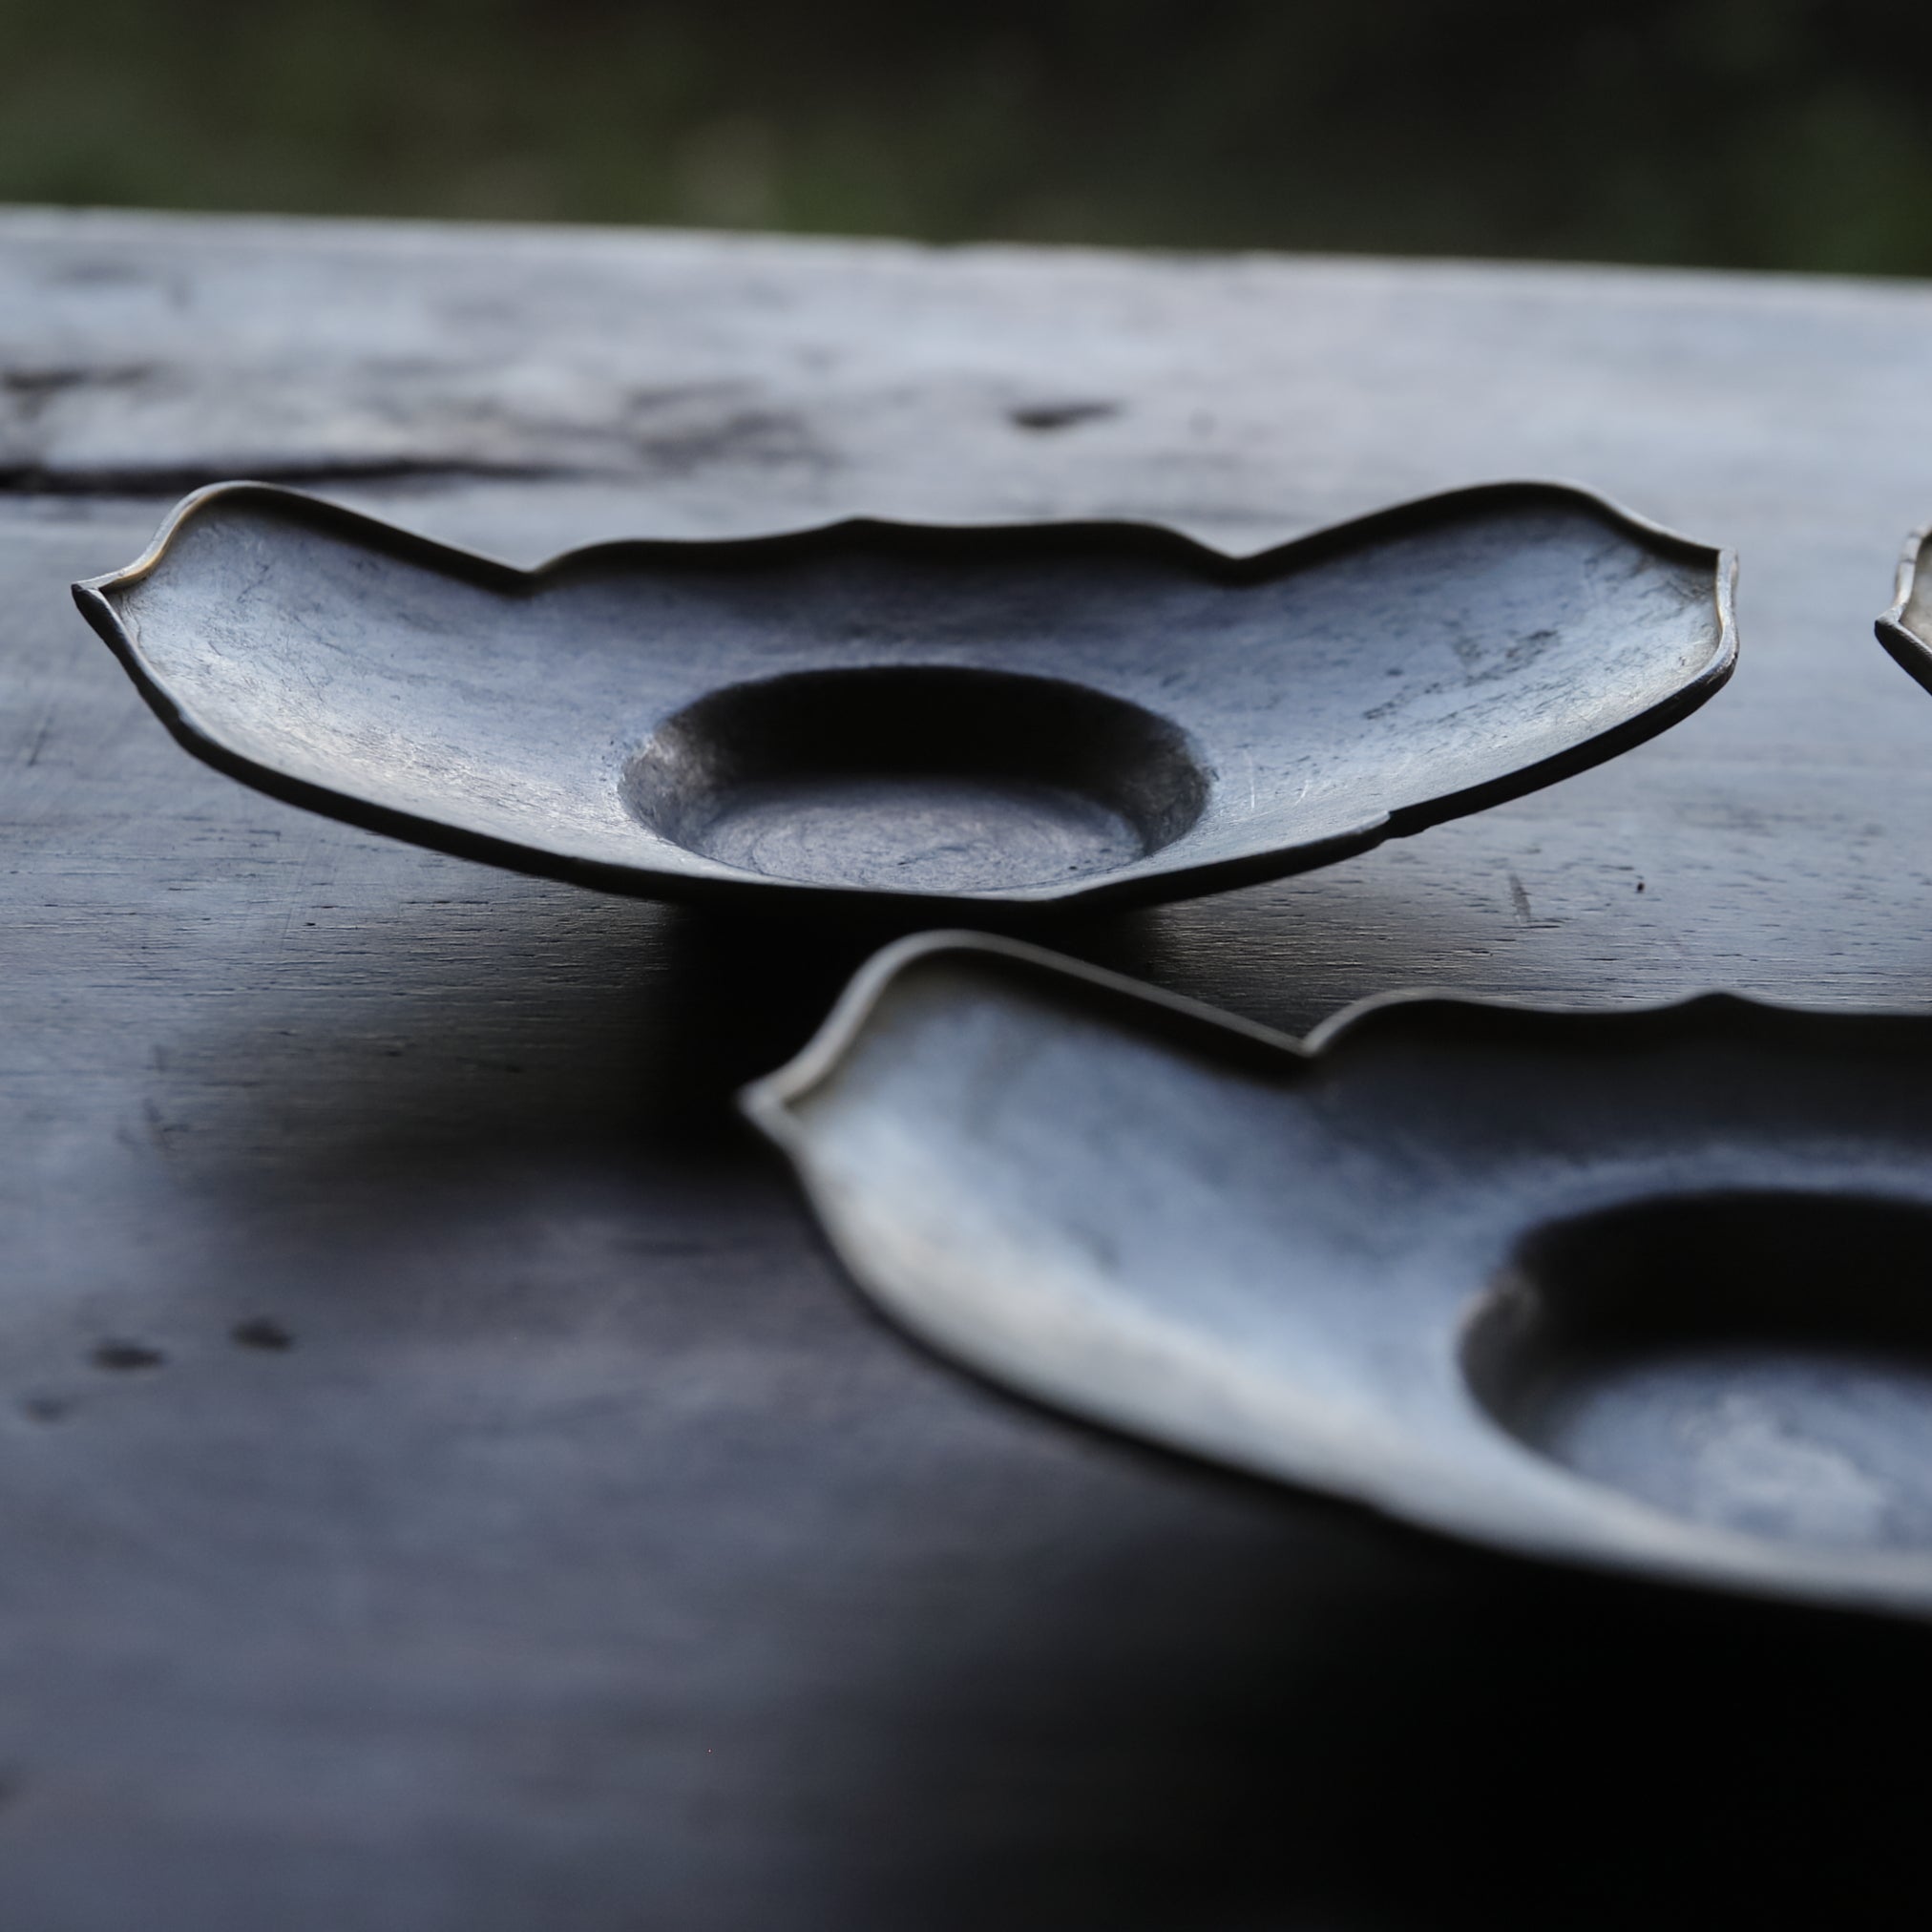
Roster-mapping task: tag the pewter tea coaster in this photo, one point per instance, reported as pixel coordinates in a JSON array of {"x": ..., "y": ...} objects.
[
  {"x": 934, "y": 716},
  {"x": 1649, "y": 1291}
]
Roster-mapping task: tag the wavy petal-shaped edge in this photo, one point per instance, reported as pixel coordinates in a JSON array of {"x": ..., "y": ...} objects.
[
  {"x": 1909, "y": 651},
  {"x": 1665, "y": 1551},
  {"x": 1180, "y": 880},
  {"x": 766, "y": 1102}
]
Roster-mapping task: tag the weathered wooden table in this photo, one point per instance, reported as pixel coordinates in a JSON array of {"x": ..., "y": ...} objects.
[{"x": 443, "y": 1484}]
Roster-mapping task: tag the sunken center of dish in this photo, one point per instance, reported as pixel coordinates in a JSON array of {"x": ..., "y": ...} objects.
[
  {"x": 916, "y": 779},
  {"x": 1756, "y": 1362}
]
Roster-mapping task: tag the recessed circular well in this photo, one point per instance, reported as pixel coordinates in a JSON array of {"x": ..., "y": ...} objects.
[
  {"x": 1758, "y": 1361},
  {"x": 918, "y": 779}
]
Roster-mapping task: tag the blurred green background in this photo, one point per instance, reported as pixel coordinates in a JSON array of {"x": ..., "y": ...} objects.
[{"x": 1748, "y": 132}]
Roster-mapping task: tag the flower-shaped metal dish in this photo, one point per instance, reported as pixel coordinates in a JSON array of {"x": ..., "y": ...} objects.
[
  {"x": 1644, "y": 1290},
  {"x": 1014, "y": 716},
  {"x": 1905, "y": 630}
]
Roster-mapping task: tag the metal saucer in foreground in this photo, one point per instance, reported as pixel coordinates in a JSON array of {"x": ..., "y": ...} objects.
[{"x": 1645, "y": 1289}]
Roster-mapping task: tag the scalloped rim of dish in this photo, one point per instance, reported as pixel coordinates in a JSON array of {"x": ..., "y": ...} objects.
[
  {"x": 766, "y": 1101},
  {"x": 1666, "y": 1550},
  {"x": 1152, "y": 884}
]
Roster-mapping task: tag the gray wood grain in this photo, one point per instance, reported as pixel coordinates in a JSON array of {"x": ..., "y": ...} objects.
[{"x": 587, "y": 1555}]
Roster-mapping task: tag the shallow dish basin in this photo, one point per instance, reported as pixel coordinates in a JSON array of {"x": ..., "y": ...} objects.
[
  {"x": 1650, "y": 1289},
  {"x": 1011, "y": 716}
]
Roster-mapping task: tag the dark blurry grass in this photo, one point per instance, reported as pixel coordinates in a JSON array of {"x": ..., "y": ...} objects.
[{"x": 1749, "y": 132}]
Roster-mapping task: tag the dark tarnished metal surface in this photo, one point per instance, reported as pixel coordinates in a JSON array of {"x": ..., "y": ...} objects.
[
  {"x": 1014, "y": 716},
  {"x": 1645, "y": 1291}
]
